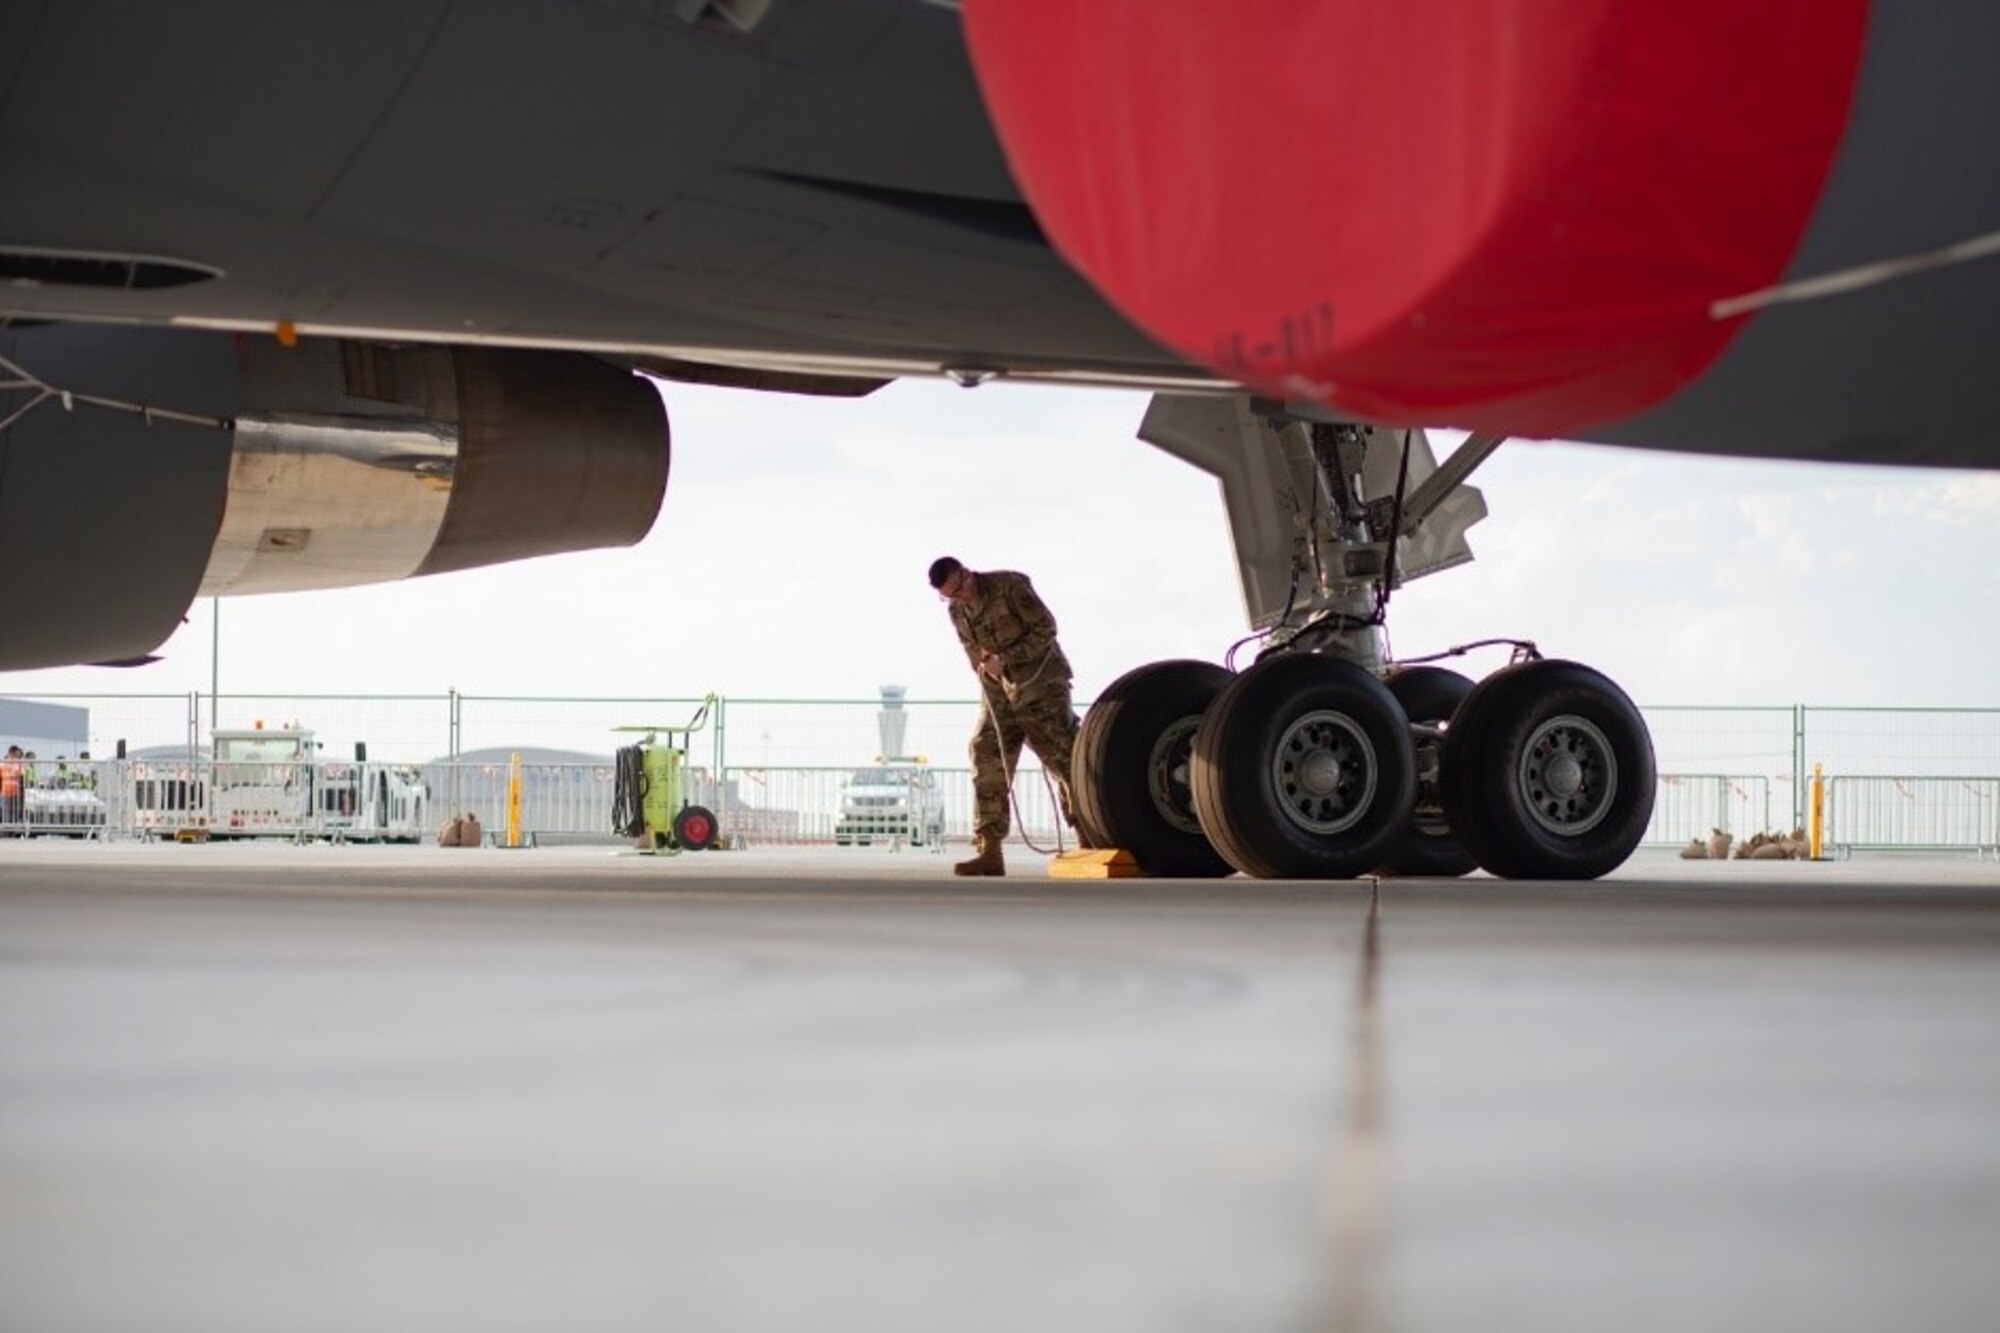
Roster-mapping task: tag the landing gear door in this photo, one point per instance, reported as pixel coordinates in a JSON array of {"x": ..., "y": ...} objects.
[
  {"x": 1438, "y": 541},
  {"x": 1221, "y": 436},
  {"x": 1269, "y": 481}
]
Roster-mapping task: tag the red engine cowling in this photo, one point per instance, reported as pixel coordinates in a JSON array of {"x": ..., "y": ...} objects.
[{"x": 1506, "y": 215}]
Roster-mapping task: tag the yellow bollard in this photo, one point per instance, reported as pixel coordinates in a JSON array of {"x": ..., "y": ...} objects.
[
  {"x": 514, "y": 800},
  {"x": 1815, "y": 814}
]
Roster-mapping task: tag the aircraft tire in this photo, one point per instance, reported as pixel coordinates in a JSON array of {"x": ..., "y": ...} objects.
[
  {"x": 1548, "y": 773},
  {"x": 1304, "y": 769},
  {"x": 1428, "y": 849},
  {"x": 1132, "y": 760}
]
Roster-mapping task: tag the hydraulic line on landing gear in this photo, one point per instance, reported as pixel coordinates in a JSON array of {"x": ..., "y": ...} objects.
[
  {"x": 1523, "y": 650},
  {"x": 1395, "y": 536}
]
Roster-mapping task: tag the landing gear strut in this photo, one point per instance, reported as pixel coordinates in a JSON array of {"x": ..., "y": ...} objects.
[{"x": 1429, "y": 696}]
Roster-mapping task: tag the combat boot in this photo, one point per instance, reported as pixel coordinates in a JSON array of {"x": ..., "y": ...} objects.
[{"x": 988, "y": 861}]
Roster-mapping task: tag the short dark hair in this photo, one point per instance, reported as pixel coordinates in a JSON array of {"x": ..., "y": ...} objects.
[{"x": 943, "y": 568}]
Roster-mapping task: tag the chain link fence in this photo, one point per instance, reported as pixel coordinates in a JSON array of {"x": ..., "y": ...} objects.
[{"x": 774, "y": 770}]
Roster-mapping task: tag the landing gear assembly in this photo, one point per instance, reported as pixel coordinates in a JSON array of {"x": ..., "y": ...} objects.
[{"x": 1324, "y": 759}]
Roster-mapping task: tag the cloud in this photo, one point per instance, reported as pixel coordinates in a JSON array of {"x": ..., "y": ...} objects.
[
  {"x": 1775, "y": 540},
  {"x": 1969, "y": 498},
  {"x": 1958, "y": 499}
]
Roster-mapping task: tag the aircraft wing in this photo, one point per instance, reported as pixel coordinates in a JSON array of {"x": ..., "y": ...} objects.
[{"x": 780, "y": 188}]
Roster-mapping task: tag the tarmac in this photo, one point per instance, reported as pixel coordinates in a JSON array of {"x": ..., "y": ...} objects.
[{"x": 266, "y": 1086}]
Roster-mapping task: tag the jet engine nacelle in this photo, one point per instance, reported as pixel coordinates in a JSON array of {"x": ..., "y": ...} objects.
[{"x": 141, "y": 468}]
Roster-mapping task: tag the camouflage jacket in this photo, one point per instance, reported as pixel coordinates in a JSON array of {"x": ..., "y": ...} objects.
[{"x": 1005, "y": 617}]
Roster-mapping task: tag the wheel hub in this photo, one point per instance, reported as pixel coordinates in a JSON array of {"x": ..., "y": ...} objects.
[
  {"x": 1167, "y": 779},
  {"x": 1324, "y": 772},
  {"x": 1568, "y": 775},
  {"x": 1319, "y": 774}
]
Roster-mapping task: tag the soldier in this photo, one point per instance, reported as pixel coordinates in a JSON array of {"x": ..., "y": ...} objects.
[{"x": 1010, "y": 639}]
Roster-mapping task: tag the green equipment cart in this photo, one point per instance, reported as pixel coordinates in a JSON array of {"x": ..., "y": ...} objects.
[{"x": 648, "y": 804}]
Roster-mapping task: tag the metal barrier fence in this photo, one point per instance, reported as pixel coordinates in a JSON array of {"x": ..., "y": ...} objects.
[
  {"x": 67, "y": 798},
  {"x": 203, "y": 798},
  {"x": 343, "y": 801},
  {"x": 559, "y": 802},
  {"x": 781, "y": 761},
  {"x": 802, "y": 805},
  {"x": 177, "y": 797},
  {"x": 1869, "y": 812},
  {"x": 1687, "y": 806}
]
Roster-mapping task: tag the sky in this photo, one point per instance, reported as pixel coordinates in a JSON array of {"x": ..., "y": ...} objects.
[{"x": 789, "y": 561}]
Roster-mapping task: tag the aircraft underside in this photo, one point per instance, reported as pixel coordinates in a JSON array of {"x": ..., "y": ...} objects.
[{"x": 307, "y": 296}]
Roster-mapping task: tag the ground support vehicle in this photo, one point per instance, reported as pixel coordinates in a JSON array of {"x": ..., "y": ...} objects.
[
  {"x": 363, "y": 802},
  {"x": 648, "y": 804},
  {"x": 896, "y": 801}
]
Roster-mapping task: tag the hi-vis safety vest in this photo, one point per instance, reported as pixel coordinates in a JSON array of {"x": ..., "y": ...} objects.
[{"x": 10, "y": 778}]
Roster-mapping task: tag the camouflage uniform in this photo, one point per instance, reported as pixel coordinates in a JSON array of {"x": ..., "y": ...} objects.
[{"x": 1030, "y": 702}]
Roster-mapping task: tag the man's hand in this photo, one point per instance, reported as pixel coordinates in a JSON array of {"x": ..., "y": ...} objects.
[{"x": 990, "y": 666}]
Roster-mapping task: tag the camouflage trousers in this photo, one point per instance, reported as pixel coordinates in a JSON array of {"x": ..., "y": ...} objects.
[{"x": 1043, "y": 718}]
